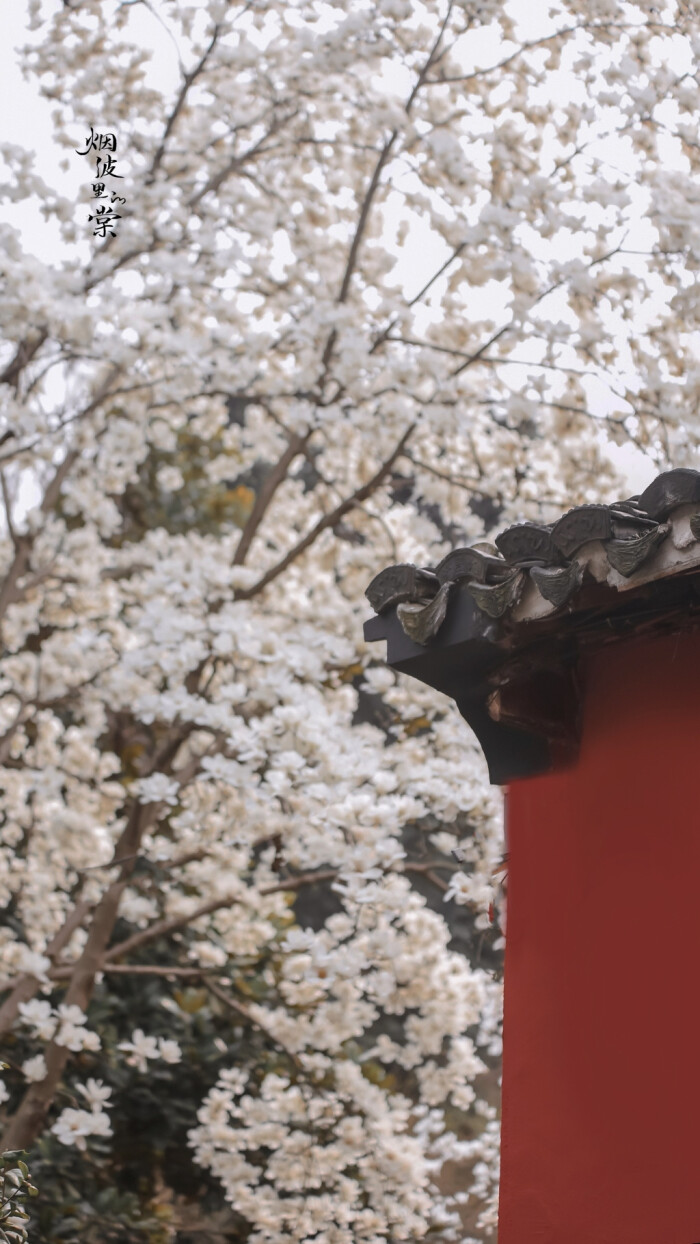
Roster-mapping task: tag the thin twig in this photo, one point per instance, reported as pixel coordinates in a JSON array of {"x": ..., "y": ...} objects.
[
  {"x": 189, "y": 78},
  {"x": 151, "y": 969},
  {"x": 239, "y": 1007},
  {"x": 8, "y": 510},
  {"x": 173, "y": 923},
  {"x": 367, "y": 202},
  {"x": 239, "y": 161}
]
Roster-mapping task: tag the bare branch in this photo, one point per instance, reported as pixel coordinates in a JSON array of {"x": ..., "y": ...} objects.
[
  {"x": 146, "y": 969},
  {"x": 550, "y": 289},
  {"x": 179, "y": 862},
  {"x": 234, "y": 1005},
  {"x": 364, "y": 216},
  {"x": 18, "y": 566},
  {"x": 7, "y": 737},
  {"x": 543, "y": 41},
  {"x": 24, "y": 354},
  {"x": 163, "y": 927},
  {"x": 373, "y": 186},
  {"x": 267, "y": 491},
  {"x": 179, "y": 104},
  {"x": 328, "y": 520},
  {"x": 457, "y": 481},
  {"x": 8, "y": 509},
  {"x": 428, "y": 870},
  {"x": 238, "y": 162},
  {"x": 379, "y": 166}
]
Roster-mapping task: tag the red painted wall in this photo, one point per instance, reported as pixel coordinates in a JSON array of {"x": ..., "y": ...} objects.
[{"x": 601, "y": 1082}]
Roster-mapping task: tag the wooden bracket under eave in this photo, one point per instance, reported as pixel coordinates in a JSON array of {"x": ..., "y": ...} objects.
[{"x": 546, "y": 704}]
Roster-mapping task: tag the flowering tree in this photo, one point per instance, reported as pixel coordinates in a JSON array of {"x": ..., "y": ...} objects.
[{"x": 230, "y": 976}]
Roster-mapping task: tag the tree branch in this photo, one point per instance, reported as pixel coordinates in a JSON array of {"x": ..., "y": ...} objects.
[
  {"x": 188, "y": 80},
  {"x": 328, "y": 520},
  {"x": 373, "y": 186},
  {"x": 237, "y": 162},
  {"x": 26, "y": 986},
  {"x": 8, "y": 509},
  {"x": 269, "y": 487},
  {"x": 173, "y": 923},
  {"x": 163, "y": 927},
  {"x": 7, "y": 737},
  {"x": 542, "y": 41},
  {"x": 24, "y": 354},
  {"x": 234, "y": 1005},
  {"x": 155, "y": 969},
  {"x": 28, "y": 1120},
  {"x": 364, "y": 216}
]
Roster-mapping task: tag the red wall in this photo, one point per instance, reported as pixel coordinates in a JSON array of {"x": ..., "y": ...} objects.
[{"x": 601, "y": 1082}]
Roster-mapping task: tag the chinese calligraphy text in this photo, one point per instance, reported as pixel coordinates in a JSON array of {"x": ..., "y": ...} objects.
[{"x": 106, "y": 215}]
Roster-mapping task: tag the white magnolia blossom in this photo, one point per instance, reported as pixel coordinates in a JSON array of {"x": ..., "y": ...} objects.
[
  {"x": 40, "y": 1016},
  {"x": 72, "y": 1032},
  {"x": 466, "y": 888},
  {"x": 34, "y": 1068},
  {"x": 23, "y": 959},
  {"x": 156, "y": 788},
  {"x": 389, "y": 275},
  {"x": 96, "y": 1094},
  {"x": 169, "y": 1050},
  {"x": 140, "y": 1049},
  {"x": 73, "y": 1127}
]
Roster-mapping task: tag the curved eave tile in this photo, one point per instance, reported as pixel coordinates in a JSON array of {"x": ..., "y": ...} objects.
[{"x": 537, "y": 570}]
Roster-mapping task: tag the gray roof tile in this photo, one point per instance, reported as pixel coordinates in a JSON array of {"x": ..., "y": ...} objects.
[{"x": 631, "y": 532}]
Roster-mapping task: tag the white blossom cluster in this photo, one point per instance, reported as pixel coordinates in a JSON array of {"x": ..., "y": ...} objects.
[
  {"x": 66, "y": 1025},
  {"x": 72, "y": 1127},
  {"x": 142, "y": 1048},
  {"x": 378, "y": 271},
  {"x": 341, "y": 1159}
]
